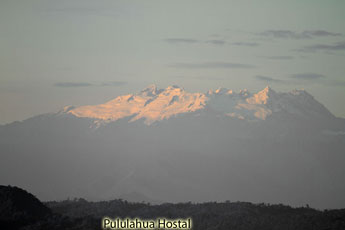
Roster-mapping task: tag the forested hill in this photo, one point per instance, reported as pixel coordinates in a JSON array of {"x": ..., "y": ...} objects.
[
  {"x": 81, "y": 214},
  {"x": 211, "y": 215}
]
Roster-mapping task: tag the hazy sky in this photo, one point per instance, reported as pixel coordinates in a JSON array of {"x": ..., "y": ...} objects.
[{"x": 77, "y": 52}]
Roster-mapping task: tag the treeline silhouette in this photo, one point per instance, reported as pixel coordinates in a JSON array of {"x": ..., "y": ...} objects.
[{"x": 21, "y": 210}]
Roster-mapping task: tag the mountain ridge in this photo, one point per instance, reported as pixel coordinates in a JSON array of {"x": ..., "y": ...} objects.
[
  {"x": 152, "y": 104},
  {"x": 295, "y": 155}
]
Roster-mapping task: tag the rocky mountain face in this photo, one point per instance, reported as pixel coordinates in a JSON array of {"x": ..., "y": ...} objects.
[
  {"x": 172, "y": 145},
  {"x": 152, "y": 104}
]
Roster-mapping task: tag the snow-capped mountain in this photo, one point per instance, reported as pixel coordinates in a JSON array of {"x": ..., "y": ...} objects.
[
  {"x": 172, "y": 145},
  {"x": 152, "y": 104}
]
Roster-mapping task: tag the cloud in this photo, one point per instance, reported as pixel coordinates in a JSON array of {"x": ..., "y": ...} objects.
[
  {"x": 87, "y": 84},
  {"x": 336, "y": 83},
  {"x": 320, "y": 33},
  {"x": 279, "y": 57},
  {"x": 269, "y": 79},
  {"x": 212, "y": 65},
  {"x": 86, "y": 10},
  {"x": 245, "y": 44},
  {"x": 284, "y": 34},
  {"x": 307, "y": 76},
  {"x": 324, "y": 47},
  {"x": 79, "y": 9},
  {"x": 193, "y": 41},
  {"x": 300, "y": 78},
  {"x": 114, "y": 83},
  {"x": 181, "y": 40},
  {"x": 72, "y": 84},
  {"x": 289, "y": 34},
  {"x": 215, "y": 35},
  {"x": 199, "y": 77},
  {"x": 216, "y": 42}
]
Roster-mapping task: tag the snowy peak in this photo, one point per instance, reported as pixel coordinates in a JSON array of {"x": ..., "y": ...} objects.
[
  {"x": 149, "y": 91},
  {"x": 219, "y": 91},
  {"x": 150, "y": 104},
  {"x": 153, "y": 104},
  {"x": 263, "y": 96}
]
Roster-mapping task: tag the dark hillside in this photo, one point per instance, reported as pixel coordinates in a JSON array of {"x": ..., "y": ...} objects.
[
  {"x": 21, "y": 210},
  {"x": 18, "y": 207}
]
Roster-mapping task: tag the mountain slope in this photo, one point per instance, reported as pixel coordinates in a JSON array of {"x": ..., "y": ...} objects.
[
  {"x": 153, "y": 104},
  {"x": 263, "y": 147}
]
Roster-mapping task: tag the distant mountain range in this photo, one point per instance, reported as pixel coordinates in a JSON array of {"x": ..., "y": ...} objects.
[
  {"x": 171, "y": 145},
  {"x": 152, "y": 105}
]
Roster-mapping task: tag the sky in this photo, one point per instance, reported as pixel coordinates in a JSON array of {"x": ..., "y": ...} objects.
[{"x": 80, "y": 52}]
